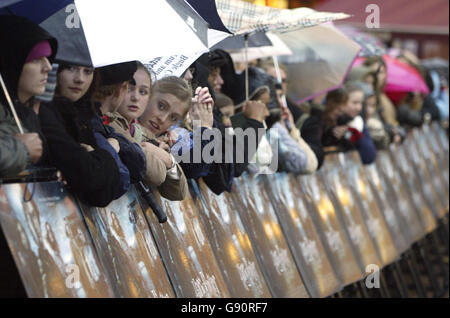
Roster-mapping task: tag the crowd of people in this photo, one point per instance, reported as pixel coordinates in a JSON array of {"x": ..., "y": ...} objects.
[{"x": 108, "y": 128}]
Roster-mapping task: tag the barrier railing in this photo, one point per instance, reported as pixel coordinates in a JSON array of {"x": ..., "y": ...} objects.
[{"x": 273, "y": 236}]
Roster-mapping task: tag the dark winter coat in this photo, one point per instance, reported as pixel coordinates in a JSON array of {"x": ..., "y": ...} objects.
[
  {"x": 94, "y": 176},
  {"x": 220, "y": 177},
  {"x": 18, "y": 37},
  {"x": 365, "y": 145}
]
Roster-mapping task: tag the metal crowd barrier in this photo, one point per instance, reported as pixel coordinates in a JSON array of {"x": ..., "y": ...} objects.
[{"x": 274, "y": 236}]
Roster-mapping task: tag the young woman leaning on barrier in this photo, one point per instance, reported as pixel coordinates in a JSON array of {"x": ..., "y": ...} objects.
[
  {"x": 161, "y": 169},
  {"x": 90, "y": 170}
]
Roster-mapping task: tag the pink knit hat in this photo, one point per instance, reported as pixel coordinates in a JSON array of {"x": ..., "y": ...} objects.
[{"x": 41, "y": 49}]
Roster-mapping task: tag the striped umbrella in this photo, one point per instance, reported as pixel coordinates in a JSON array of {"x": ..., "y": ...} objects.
[{"x": 244, "y": 18}]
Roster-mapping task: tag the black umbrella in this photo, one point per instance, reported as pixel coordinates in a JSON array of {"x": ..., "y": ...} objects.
[
  {"x": 208, "y": 10},
  {"x": 73, "y": 47},
  {"x": 5, "y": 3},
  {"x": 238, "y": 42}
]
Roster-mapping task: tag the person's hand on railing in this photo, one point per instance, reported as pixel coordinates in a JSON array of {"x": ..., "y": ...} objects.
[{"x": 34, "y": 145}]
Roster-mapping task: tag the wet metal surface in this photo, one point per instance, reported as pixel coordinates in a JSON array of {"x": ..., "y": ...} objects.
[
  {"x": 330, "y": 229},
  {"x": 386, "y": 206},
  {"x": 341, "y": 195},
  {"x": 126, "y": 247},
  {"x": 440, "y": 151},
  {"x": 230, "y": 243},
  {"x": 433, "y": 169},
  {"x": 301, "y": 234},
  {"x": 271, "y": 248},
  {"x": 423, "y": 204},
  {"x": 371, "y": 213},
  {"x": 50, "y": 244},
  {"x": 186, "y": 252},
  {"x": 397, "y": 194}
]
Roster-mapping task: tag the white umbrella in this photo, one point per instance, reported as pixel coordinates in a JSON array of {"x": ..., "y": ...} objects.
[
  {"x": 118, "y": 30},
  {"x": 322, "y": 57}
]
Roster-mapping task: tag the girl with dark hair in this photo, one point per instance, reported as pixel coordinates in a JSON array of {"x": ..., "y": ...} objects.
[{"x": 86, "y": 159}]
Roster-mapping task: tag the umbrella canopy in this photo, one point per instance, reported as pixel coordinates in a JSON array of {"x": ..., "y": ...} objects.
[
  {"x": 123, "y": 34},
  {"x": 370, "y": 44},
  {"x": 5, "y": 3},
  {"x": 322, "y": 57},
  {"x": 72, "y": 45},
  {"x": 120, "y": 35},
  {"x": 36, "y": 11},
  {"x": 237, "y": 42},
  {"x": 208, "y": 10},
  {"x": 276, "y": 48},
  {"x": 244, "y": 18},
  {"x": 403, "y": 78}
]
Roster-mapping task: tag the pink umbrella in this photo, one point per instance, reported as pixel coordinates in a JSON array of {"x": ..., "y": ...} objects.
[{"x": 401, "y": 78}]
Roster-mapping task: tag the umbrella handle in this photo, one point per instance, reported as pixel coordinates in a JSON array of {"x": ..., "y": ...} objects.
[
  {"x": 279, "y": 79},
  {"x": 11, "y": 105},
  {"x": 246, "y": 67}
]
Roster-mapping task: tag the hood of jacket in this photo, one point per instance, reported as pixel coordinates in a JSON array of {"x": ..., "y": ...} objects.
[{"x": 18, "y": 37}]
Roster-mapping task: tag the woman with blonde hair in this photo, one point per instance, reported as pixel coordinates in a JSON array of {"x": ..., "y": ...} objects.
[{"x": 161, "y": 170}]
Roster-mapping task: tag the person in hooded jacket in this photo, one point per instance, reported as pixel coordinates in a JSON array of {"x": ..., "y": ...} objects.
[
  {"x": 218, "y": 176},
  {"x": 91, "y": 172},
  {"x": 306, "y": 120},
  {"x": 25, "y": 60},
  {"x": 253, "y": 113},
  {"x": 17, "y": 151},
  {"x": 24, "y": 65}
]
